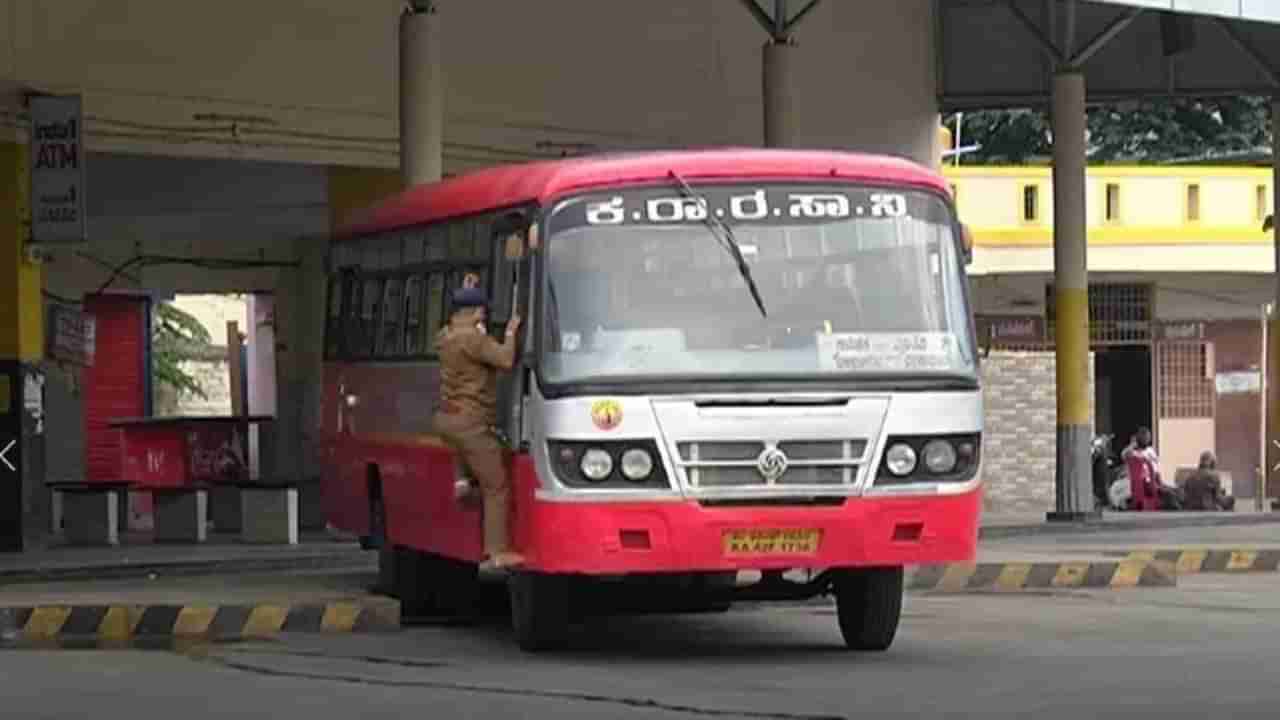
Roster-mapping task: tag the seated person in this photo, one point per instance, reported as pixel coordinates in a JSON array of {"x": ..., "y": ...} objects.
[{"x": 1204, "y": 488}]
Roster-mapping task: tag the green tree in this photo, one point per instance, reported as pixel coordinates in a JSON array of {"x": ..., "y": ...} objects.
[
  {"x": 176, "y": 335},
  {"x": 1147, "y": 131}
]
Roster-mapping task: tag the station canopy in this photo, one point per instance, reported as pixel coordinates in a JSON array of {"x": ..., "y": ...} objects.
[{"x": 1001, "y": 53}]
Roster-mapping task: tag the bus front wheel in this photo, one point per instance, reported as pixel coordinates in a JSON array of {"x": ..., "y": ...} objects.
[
  {"x": 539, "y": 610},
  {"x": 869, "y": 606}
]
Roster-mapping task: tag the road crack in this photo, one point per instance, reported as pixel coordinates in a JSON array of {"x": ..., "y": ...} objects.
[{"x": 631, "y": 702}]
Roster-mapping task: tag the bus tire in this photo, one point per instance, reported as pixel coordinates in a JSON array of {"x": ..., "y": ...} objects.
[
  {"x": 539, "y": 610},
  {"x": 457, "y": 586},
  {"x": 388, "y": 558},
  {"x": 416, "y": 577},
  {"x": 869, "y": 607}
]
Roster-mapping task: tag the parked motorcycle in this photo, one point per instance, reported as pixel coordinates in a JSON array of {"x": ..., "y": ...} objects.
[{"x": 1106, "y": 468}]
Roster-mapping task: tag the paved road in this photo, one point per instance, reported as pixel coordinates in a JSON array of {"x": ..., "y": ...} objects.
[
  {"x": 1239, "y": 536},
  {"x": 1207, "y": 648}
]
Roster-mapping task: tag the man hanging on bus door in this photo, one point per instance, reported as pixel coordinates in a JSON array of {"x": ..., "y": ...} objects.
[{"x": 470, "y": 361}]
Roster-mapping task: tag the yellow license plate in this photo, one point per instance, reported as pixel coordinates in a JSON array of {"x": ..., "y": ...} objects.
[{"x": 771, "y": 542}]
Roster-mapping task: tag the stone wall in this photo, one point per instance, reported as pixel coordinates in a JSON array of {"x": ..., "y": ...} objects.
[{"x": 1020, "y": 435}]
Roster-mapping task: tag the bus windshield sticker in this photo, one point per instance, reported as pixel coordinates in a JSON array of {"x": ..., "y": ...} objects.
[
  {"x": 606, "y": 414},
  {"x": 872, "y": 352}
]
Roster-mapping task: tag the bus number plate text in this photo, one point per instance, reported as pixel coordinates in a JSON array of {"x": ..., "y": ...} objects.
[{"x": 738, "y": 543}]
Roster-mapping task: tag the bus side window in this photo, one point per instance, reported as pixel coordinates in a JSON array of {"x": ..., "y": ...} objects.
[
  {"x": 351, "y": 315},
  {"x": 413, "y": 344},
  {"x": 392, "y": 306},
  {"x": 333, "y": 324},
  {"x": 461, "y": 248},
  {"x": 433, "y": 311},
  {"x": 368, "y": 323}
]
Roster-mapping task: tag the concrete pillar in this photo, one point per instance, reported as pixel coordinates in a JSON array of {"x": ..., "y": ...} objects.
[
  {"x": 1271, "y": 457},
  {"x": 22, "y": 495},
  {"x": 778, "y": 85},
  {"x": 1074, "y": 496},
  {"x": 421, "y": 95},
  {"x": 261, "y": 376},
  {"x": 299, "y": 305}
]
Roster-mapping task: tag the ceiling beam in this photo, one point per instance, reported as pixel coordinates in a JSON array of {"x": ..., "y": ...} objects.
[
  {"x": 1108, "y": 34},
  {"x": 1251, "y": 52},
  {"x": 778, "y": 25},
  {"x": 1045, "y": 42}
]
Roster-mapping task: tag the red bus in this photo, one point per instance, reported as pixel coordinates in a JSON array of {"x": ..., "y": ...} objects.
[{"x": 743, "y": 375}]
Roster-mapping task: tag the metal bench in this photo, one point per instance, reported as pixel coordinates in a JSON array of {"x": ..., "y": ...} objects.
[
  {"x": 268, "y": 512},
  {"x": 88, "y": 513},
  {"x": 181, "y": 513}
]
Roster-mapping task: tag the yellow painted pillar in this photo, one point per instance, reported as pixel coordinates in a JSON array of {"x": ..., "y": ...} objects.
[
  {"x": 21, "y": 345},
  {"x": 1271, "y": 418},
  {"x": 1271, "y": 453},
  {"x": 1074, "y": 489},
  {"x": 21, "y": 312}
]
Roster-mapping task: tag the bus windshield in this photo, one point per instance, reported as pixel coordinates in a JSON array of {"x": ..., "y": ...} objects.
[{"x": 853, "y": 280}]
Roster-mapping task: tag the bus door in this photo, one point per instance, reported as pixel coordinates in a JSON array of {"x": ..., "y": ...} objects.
[{"x": 511, "y": 291}]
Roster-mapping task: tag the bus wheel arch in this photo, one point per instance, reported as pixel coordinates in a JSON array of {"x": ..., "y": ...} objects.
[
  {"x": 869, "y": 606},
  {"x": 376, "y": 538}
]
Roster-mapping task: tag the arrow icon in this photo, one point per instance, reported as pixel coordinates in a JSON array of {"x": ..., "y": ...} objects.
[{"x": 5, "y": 452}]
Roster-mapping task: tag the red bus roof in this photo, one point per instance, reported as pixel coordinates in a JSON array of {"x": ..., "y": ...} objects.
[{"x": 511, "y": 185}]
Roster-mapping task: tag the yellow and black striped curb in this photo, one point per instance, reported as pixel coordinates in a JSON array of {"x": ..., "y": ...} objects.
[
  {"x": 1036, "y": 576},
  {"x": 1190, "y": 562},
  {"x": 220, "y": 622}
]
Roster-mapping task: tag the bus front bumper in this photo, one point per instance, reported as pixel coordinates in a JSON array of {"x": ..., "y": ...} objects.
[{"x": 619, "y": 538}]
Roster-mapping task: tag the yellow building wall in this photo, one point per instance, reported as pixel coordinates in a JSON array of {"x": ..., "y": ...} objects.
[
  {"x": 21, "y": 305},
  {"x": 1153, "y": 208}
]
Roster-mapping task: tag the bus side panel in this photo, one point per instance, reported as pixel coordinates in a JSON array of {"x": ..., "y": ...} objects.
[
  {"x": 386, "y": 437},
  {"x": 343, "y": 487},
  {"x": 392, "y": 406},
  {"x": 421, "y": 511}
]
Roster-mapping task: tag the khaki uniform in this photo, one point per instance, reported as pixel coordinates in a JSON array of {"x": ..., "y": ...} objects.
[{"x": 469, "y": 365}]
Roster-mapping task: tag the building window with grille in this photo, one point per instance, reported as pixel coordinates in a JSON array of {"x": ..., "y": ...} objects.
[
  {"x": 1119, "y": 313},
  {"x": 1185, "y": 379},
  {"x": 1193, "y": 202}
]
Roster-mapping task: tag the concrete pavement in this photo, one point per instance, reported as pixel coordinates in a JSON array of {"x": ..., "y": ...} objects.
[
  {"x": 322, "y": 585},
  {"x": 139, "y": 557},
  {"x": 1206, "y": 648}
]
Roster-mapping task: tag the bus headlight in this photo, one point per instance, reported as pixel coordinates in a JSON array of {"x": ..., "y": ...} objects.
[
  {"x": 637, "y": 465},
  {"x": 901, "y": 459},
  {"x": 939, "y": 457},
  {"x": 596, "y": 465}
]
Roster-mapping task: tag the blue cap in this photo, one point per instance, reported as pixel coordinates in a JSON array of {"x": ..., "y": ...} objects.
[{"x": 469, "y": 298}]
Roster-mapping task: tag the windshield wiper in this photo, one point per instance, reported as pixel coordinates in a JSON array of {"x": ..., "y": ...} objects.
[{"x": 728, "y": 241}]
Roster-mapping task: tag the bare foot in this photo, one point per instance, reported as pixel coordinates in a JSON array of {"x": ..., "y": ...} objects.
[{"x": 503, "y": 561}]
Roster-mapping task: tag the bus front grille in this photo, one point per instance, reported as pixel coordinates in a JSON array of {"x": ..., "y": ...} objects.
[{"x": 737, "y": 463}]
